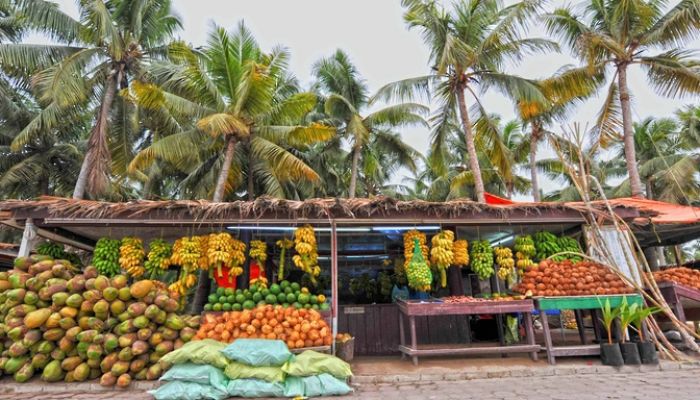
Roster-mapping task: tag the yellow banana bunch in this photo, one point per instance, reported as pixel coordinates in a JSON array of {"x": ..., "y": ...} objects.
[
  {"x": 506, "y": 264},
  {"x": 461, "y": 251},
  {"x": 203, "y": 262},
  {"x": 258, "y": 251},
  {"x": 307, "y": 257},
  {"x": 187, "y": 253},
  {"x": 131, "y": 256},
  {"x": 219, "y": 247},
  {"x": 442, "y": 255},
  {"x": 180, "y": 287},
  {"x": 408, "y": 243}
]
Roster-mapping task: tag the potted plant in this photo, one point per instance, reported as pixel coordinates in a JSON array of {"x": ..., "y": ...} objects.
[
  {"x": 646, "y": 348},
  {"x": 628, "y": 313},
  {"x": 610, "y": 352}
]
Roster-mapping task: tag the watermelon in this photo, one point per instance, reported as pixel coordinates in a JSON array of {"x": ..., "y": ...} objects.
[
  {"x": 240, "y": 298},
  {"x": 281, "y": 298},
  {"x": 228, "y": 292},
  {"x": 220, "y": 291},
  {"x": 257, "y": 297},
  {"x": 217, "y": 307},
  {"x": 231, "y": 299},
  {"x": 213, "y": 298},
  {"x": 237, "y": 307},
  {"x": 295, "y": 286},
  {"x": 275, "y": 289},
  {"x": 226, "y": 307},
  {"x": 271, "y": 299},
  {"x": 248, "y": 305},
  {"x": 222, "y": 299},
  {"x": 303, "y": 298},
  {"x": 207, "y": 307},
  {"x": 291, "y": 298},
  {"x": 313, "y": 299},
  {"x": 296, "y": 305},
  {"x": 325, "y": 307}
]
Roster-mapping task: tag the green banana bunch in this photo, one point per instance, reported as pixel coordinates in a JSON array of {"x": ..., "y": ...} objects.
[
  {"x": 106, "y": 256},
  {"x": 51, "y": 249},
  {"x": 525, "y": 246},
  {"x": 417, "y": 271},
  {"x": 385, "y": 284},
  {"x": 482, "y": 259},
  {"x": 159, "y": 253},
  {"x": 566, "y": 243},
  {"x": 546, "y": 245}
]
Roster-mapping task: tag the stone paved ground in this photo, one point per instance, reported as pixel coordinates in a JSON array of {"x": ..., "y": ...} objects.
[{"x": 671, "y": 384}]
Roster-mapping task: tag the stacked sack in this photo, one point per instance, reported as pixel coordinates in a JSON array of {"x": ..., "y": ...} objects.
[
  {"x": 208, "y": 369},
  {"x": 75, "y": 326}
]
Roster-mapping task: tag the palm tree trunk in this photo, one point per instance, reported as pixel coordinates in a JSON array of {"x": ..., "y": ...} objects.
[
  {"x": 471, "y": 149},
  {"x": 630, "y": 151},
  {"x": 97, "y": 143},
  {"x": 353, "y": 172},
  {"x": 534, "y": 140},
  {"x": 251, "y": 178},
  {"x": 223, "y": 174}
]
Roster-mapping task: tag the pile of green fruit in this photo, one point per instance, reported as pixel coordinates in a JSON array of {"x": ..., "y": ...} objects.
[
  {"x": 482, "y": 259},
  {"x": 571, "y": 245},
  {"x": 285, "y": 293},
  {"x": 57, "y": 252},
  {"x": 73, "y": 327}
]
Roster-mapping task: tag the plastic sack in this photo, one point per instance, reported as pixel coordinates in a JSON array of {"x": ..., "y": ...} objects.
[
  {"x": 236, "y": 370},
  {"x": 324, "y": 385},
  {"x": 205, "y": 351},
  {"x": 177, "y": 390},
  {"x": 254, "y": 388},
  {"x": 203, "y": 374},
  {"x": 258, "y": 352},
  {"x": 311, "y": 363},
  {"x": 293, "y": 387}
]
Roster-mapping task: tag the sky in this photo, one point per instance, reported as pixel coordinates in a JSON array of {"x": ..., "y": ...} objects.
[{"x": 373, "y": 33}]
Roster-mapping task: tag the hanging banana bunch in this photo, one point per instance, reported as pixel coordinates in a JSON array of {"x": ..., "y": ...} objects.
[
  {"x": 306, "y": 258},
  {"x": 258, "y": 252},
  {"x": 442, "y": 254},
  {"x": 131, "y": 255},
  {"x": 417, "y": 271},
  {"x": 159, "y": 252},
  {"x": 524, "y": 251},
  {"x": 482, "y": 259},
  {"x": 187, "y": 252},
  {"x": 235, "y": 263},
  {"x": 506, "y": 264},
  {"x": 409, "y": 242},
  {"x": 219, "y": 249},
  {"x": 284, "y": 244},
  {"x": 203, "y": 262},
  {"x": 461, "y": 251}
]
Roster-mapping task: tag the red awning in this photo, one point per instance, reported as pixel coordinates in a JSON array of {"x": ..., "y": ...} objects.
[{"x": 660, "y": 212}]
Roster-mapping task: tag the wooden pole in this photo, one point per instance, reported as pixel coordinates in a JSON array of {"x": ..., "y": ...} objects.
[
  {"x": 29, "y": 239},
  {"x": 334, "y": 284}
]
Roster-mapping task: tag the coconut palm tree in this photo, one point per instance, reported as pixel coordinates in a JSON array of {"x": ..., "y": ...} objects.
[
  {"x": 668, "y": 163},
  {"x": 622, "y": 34},
  {"x": 371, "y": 138},
  {"x": 469, "y": 45},
  {"x": 95, "y": 57},
  {"x": 247, "y": 116}
]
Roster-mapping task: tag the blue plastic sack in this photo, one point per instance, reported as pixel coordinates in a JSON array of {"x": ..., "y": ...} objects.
[
  {"x": 194, "y": 373},
  {"x": 258, "y": 352},
  {"x": 177, "y": 390},
  {"x": 293, "y": 387},
  {"x": 254, "y": 388},
  {"x": 324, "y": 385}
]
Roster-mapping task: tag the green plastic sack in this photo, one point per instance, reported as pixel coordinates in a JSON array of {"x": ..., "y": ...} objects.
[
  {"x": 254, "y": 388},
  {"x": 324, "y": 385},
  {"x": 236, "y": 370},
  {"x": 258, "y": 352},
  {"x": 177, "y": 390},
  {"x": 311, "y": 363},
  {"x": 205, "y": 351},
  {"x": 293, "y": 387},
  {"x": 203, "y": 374}
]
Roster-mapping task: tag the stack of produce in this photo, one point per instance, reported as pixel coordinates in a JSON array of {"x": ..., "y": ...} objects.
[
  {"x": 285, "y": 293},
  {"x": 284, "y": 245},
  {"x": 546, "y": 245},
  {"x": 482, "y": 259},
  {"x": 441, "y": 255},
  {"x": 131, "y": 255},
  {"x": 681, "y": 275},
  {"x": 418, "y": 271},
  {"x": 566, "y": 278},
  {"x": 524, "y": 251},
  {"x": 306, "y": 258},
  {"x": 298, "y": 328},
  {"x": 461, "y": 251},
  {"x": 159, "y": 253},
  {"x": 77, "y": 327}
]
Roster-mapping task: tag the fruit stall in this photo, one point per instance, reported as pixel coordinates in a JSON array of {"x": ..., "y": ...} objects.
[{"x": 455, "y": 276}]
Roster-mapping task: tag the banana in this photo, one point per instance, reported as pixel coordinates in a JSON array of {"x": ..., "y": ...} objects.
[
  {"x": 442, "y": 255},
  {"x": 482, "y": 259},
  {"x": 306, "y": 258}
]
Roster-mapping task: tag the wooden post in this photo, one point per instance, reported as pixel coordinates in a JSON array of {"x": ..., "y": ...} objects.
[
  {"x": 547, "y": 336},
  {"x": 414, "y": 340},
  {"x": 29, "y": 239},
  {"x": 402, "y": 333},
  {"x": 530, "y": 333},
  {"x": 334, "y": 284}
]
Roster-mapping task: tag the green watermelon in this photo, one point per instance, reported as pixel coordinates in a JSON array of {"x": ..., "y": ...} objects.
[
  {"x": 271, "y": 299},
  {"x": 275, "y": 289}
]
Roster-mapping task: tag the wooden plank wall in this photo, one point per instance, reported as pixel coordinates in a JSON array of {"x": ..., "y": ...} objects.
[{"x": 376, "y": 328}]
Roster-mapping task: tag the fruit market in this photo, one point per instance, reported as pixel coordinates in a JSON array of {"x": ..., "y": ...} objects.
[{"x": 151, "y": 290}]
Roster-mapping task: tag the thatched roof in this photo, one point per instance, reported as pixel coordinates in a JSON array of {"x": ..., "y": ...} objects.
[{"x": 266, "y": 208}]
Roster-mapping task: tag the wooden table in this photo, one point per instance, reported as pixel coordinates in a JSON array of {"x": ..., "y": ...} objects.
[
  {"x": 416, "y": 308},
  {"x": 684, "y": 300},
  {"x": 576, "y": 303}
]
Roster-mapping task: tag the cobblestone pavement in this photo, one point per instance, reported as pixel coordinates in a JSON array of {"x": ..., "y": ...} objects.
[{"x": 676, "y": 385}]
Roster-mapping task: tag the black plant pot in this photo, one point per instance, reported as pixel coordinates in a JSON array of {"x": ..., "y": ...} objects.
[
  {"x": 610, "y": 354},
  {"x": 647, "y": 353},
  {"x": 630, "y": 354}
]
